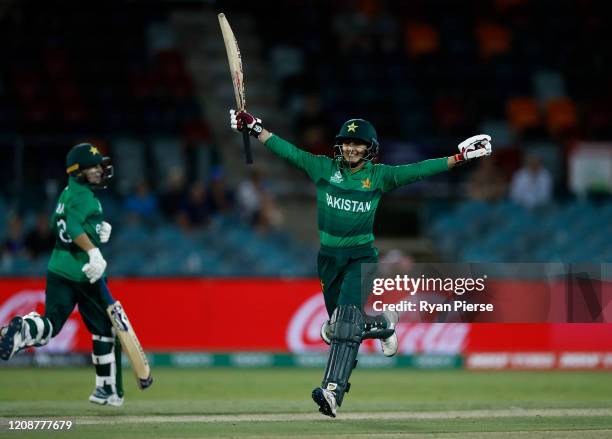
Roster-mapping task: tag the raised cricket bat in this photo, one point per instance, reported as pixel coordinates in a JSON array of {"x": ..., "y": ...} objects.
[
  {"x": 129, "y": 341},
  {"x": 235, "y": 65}
]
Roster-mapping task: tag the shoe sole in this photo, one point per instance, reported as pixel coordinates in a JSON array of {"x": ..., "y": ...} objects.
[
  {"x": 101, "y": 401},
  {"x": 7, "y": 342},
  {"x": 319, "y": 399},
  {"x": 98, "y": 401}
]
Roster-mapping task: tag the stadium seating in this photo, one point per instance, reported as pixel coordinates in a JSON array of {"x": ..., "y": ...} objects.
[
  {"x": 226, "y": 248},
  {"x": 578, "y": 231}
]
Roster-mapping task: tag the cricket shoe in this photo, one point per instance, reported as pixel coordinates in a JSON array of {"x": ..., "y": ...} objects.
[
  {"x": 103, "y": 396},
  {"x": 12, "y": 338},
  {"x": 389, "y": 345},
  {"x": 326, "y": 400},
  {"x": 326, "y": 332}
]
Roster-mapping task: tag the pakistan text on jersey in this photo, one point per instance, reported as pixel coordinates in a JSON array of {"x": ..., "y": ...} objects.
[{"x": 348, "y": 205}]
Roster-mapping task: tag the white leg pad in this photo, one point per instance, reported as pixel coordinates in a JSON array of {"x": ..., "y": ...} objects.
[
  {"x": 103, "y": 338},
  {"x": 105, "y": 381},
  {"x": 39, "y": 340},
  {"x": 103, "y": 359},
  {"x": 109, "y": 358}
]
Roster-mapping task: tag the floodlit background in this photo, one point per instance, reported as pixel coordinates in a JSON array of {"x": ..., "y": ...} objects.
[{"x": 150, "y": 86}]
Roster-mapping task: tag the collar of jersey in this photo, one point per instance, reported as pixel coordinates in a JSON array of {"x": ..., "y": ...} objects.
[
  {"x": 76, "y": 186},
  {"x": 367, "y": 165}
]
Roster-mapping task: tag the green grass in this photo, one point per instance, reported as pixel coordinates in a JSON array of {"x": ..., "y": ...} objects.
[{"x": 44, "y": 393}]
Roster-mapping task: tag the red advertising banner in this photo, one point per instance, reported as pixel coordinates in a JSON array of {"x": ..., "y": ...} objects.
[
  {"x": 225, "y": 315},
  {"x": 493, "y": 293}
]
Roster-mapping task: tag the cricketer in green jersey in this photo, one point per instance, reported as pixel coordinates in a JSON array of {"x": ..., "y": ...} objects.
[
  {"x": 75, "y": 266},
  {"x": 349, "y": 188}
]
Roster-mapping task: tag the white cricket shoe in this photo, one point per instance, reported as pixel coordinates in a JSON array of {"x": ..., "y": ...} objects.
[
  {"x": 326, "y": 334},
  {"x": 102, "y": 396},
  {"x": 389, "y": 345},
  {"x": 326, "y": 400},
  {"x": 13, "y": 336}
]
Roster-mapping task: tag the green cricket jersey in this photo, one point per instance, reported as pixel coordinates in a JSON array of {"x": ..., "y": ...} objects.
[
  {"x": 346, "y": 201},
  {"x": 77, "y": 211}
]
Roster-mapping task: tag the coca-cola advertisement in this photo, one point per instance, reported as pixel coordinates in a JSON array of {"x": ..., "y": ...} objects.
[{"x": 279, "y": 316}]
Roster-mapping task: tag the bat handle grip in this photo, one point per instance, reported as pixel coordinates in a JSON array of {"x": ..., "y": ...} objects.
[
  {"x": 247, "y": 147},
  {"x": 106, "y": 294}
]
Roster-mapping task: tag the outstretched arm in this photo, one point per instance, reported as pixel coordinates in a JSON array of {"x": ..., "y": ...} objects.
[
  {"x": 299, "y": 158},
  {"x": 474, "y": 147}
]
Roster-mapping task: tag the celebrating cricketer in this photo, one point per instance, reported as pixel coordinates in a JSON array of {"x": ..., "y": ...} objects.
[{"x": 349, "y": 188}]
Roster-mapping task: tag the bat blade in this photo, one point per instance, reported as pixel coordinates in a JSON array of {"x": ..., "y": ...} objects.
[
  {"x": 130, "y": 344},
  {"x": 235, "y": 65}
]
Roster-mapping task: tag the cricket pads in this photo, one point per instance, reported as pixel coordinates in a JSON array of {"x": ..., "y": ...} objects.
[{"x": 348, "y": 326}]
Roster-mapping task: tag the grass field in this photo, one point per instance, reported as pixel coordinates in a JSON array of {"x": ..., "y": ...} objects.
[{"x": 276, "y": 402}]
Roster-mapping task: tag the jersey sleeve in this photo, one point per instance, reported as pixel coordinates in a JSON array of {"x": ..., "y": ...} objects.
[
  {"x": 77, "y": 212},
  {"x": 397, "y": 176},
  {"x": 314, "y": 165}
]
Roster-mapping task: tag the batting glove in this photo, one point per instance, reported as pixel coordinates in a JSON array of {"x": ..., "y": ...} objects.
[
  {"x": 241, "y": 119},
  {"x": 94, "y": 269},
  {"x": 104, "y": 232},
  {"x": 474, "y": 147}
]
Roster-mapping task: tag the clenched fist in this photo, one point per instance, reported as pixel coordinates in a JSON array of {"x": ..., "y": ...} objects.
[
  {"x": 94, "y": 269},
  {"x": 241, "y": 119},
  {"x": 104, "y": 232},
  {"x": 474, "y": 147}
]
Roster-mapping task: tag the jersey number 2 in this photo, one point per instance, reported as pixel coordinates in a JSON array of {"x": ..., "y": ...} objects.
[{"x": 61, "y": 227}]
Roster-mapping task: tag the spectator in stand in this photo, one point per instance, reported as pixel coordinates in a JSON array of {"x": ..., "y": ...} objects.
[
  {"x": 195, "y": 210},
  {"x": 173, "y": 194},
  {"x": 487, "y": 182},
  {"x": 40, "y": 241},
  {"x": 14, "y": 245},
  {"x": 141, "y": 203},
  {"x": 220, "y": 198},
  {"x": 256, "y": 204},
  {"x": 532, "y": 185}
]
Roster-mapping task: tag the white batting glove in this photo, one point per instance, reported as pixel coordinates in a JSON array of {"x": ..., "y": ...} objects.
[
  {"x": 233, "y": 120},
  {"x": 474, "y": 147},
  {"x": 104, "y": 232},
  {"x": 94, "y": 269}
]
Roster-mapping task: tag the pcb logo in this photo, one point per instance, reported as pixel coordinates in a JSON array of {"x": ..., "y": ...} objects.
[{"x": 337, "y": 177}]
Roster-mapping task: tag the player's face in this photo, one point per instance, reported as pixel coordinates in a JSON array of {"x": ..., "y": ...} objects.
[
  {"x": 353, "y": 151},
  {"x": 93, "y": 174}
]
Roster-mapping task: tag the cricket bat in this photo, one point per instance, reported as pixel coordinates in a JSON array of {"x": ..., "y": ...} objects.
[
  {"x": 235, "y": 65},
  {"x": 129, "y": 341}
]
